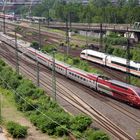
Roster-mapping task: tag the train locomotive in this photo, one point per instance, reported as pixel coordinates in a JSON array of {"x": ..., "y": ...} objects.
[
  {"x": 111, "y": 61},
  {"x": 100, "y": 83}
]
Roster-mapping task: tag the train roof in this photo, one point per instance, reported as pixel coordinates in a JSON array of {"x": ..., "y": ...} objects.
[
  {"x": 137, "y": 89},
  {"x": 94, "y": 53},
  {"x": 123, "y": 60},
  {"x": 48, "y": 56}
]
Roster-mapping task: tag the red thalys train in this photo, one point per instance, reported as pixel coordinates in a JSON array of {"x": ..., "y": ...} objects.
[{"x": 102, "y": 84}]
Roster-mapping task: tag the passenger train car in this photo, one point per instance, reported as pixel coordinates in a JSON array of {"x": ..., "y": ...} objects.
[
  {"x": 8, "y": 16},
  {"x": 111, "y": 61},
  {"x": 102, "y": 84}
]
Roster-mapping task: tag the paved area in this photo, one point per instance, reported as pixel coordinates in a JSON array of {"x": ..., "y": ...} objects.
[{"x": 2, "y": 136}]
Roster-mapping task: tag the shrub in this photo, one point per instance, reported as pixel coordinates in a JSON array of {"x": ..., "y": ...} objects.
[
  {"x": 61, "y": 130},
  {"x": 80, "y": 123},
  {"x": 16, "y": 130},
  {"x": 97, "y": 135},
  {"x": 35, "y": 45}
]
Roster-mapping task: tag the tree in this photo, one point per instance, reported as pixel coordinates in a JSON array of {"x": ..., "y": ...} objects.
[
  {"x": 100, "y": 3},
  {"x": 133, "y": 3},
  {"x": 121, "y": 3}
]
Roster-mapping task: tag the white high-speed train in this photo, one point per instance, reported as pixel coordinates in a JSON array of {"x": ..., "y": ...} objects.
[
  {"x": 114, "y": 88},
  {"x": 111, "y": 61}
]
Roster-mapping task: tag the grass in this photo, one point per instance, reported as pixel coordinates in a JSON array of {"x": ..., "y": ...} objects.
[{"x": 9, "y": 111}]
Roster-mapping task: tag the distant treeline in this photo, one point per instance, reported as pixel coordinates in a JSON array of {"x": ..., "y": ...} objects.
[{"x": 124, "y": 11}]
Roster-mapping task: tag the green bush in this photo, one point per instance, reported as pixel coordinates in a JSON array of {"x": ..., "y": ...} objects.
[
  {"x": 35, "y": 45},
  {"x": 114, "y": 39},
  {"x": 61, "y": 130},
  {"x": 80, "y": 123},
  {"x": 97, "y": 135},
  {"x": 16, "y": 130}
]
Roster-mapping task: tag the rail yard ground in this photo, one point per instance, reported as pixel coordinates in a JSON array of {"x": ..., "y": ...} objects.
[{"x": 100, "y": 102}]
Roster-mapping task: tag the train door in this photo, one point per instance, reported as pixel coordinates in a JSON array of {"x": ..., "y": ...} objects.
[{"x": 102, "y": 86}]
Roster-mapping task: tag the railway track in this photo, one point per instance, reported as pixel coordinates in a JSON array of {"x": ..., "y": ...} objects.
[
  {"x": 78, "y": 102},
  {"x": 52, "y": 37}
]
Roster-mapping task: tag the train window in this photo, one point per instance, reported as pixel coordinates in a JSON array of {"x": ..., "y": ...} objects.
[
  {"x": 118, "y": 92},
  {"x": 95, "y": 57},
  {"x": 83, "y": 53},
  {"x": 124, "y": 65},
  {"x": 134, "y": 68},
  {"x": 69, "y": 72}
]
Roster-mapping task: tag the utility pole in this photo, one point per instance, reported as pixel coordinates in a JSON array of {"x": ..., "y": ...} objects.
[
  {"x": 39, "y": 35},
  {"x": 48, "y": 17},
  {"x": 37, "y": 71},
  {"x": 4, "y": 21},
  {"x": 67, "y": 35},
  {"x": 3, "y": 9},
  {"x": 17, "y": 58},
  {"x": 128, "y": 59},
  {"x": 37, "y": 63},
  {"x": 101, "y": 37},
  {"x": 53, "y": 75}
]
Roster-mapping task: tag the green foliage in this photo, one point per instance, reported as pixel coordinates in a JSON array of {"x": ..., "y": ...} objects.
[
  {"x": 35, "y": 45},
  {"x": 80, "y": 123},
  {"x": 48, "y": 48},
  {"x": 61, "y": 130},
  {"x": 138, "y": 135},
  {"x": 2, "y": 63},
  {"x": 72, "y": 61},
  {"x": 16, "y": 130},
  {"x": 49, "y": 124},
  {"x": 10, "y": 77},
  {"x": 114, "y": 39},
  {"x": 96, "y": 135},
  {"x": 95, "y": 12}
]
